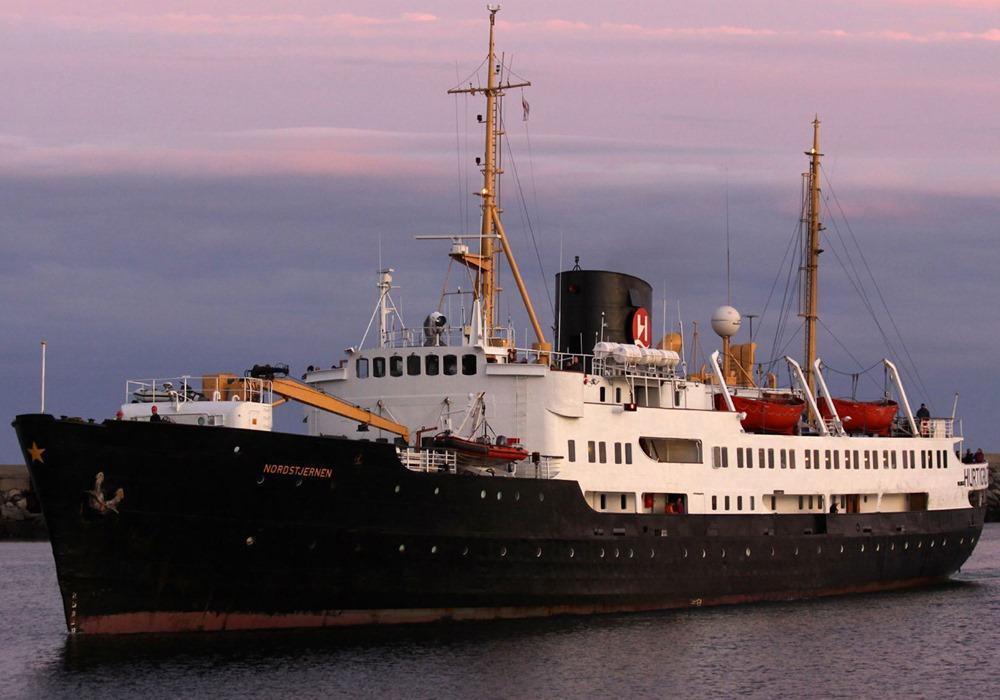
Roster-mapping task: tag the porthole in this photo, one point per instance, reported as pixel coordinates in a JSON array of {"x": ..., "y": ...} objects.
[
  {"x": 572, "y": 553},
  {"x": 260, "y": 479},
  {"x": 250, "y": 541},
  {"x": 932, "y": 544},
  {"x": 685, "y": 553},
  {"x": 538, "y": 552},
  {"x": 602, "y": 553},
  {"x": 906, "y": 545},
  {"x": 617, "y": 553},
  {"x": 541, "y": 497},
  {"x": 437, "y": 490},
  {"x": 482, "y": 494},
  {"x": 402, "y": 548},
  {"x": 841, "y": 549},
  {"x": 503, "y": 551},
  {"x": 819, "y": 549},
  {"x": 944, "y": 542},
  {"x": 652, "y": 553},
  {"x": 892, "y": 546},
  {"x": 723, "y": 552},
  {"x": 920, "y": 544},
  {"x": 878, "y": 547},
  {"x": 236, "y": 450},
  {"x": 517, "y": 495},
  {"x": 396, "y": 490},
  {"x": 961, "y": 540},
  {"x": 796, "y": 551},
  {"x": 298, "y": 482},
  {"x": 862, "y": 547},
  {"x": 499, "y": 495},
  {"x": 631, "y": 554},
  {"x": 772, "y": 551},
  {"x": 465, "y": 551},
  {"x": 747, "y": 551},
  {"x": 434, "y": 549},
  {"x": 704, "y": 554}
]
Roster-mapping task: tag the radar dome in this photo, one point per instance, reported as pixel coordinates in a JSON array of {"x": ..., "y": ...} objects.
[{"x": 726, "y": 321}]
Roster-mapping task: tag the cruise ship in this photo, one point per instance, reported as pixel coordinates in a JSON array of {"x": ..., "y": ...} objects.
[{"x": 455, "y": 472}]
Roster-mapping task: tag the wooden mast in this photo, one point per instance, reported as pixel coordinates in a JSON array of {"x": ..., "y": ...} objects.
[
  {"x": 491, "y": 229},
  {"x": 811, "y": 291}
]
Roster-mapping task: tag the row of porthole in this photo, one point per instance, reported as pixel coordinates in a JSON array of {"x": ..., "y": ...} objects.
[
  {"x": 482, "y": 494},
  {"x": 704, "y": 552}
]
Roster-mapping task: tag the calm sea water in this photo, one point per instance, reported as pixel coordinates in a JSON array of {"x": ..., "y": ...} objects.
[{"x": 939, "y": 642}]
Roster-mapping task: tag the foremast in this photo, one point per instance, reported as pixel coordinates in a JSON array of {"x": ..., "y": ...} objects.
[
  {"x": 485, "y": 263},
  {"x": 811, "y": 260}
]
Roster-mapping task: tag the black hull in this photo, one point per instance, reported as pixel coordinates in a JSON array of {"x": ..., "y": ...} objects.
[{"x": 228, "y": 529}]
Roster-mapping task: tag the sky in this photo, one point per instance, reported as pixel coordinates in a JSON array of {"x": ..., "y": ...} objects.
[{"x": 191, "y": 187}]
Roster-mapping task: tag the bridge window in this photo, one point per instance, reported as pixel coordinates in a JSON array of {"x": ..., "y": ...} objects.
[
  {"x": 450, "y": 364},
  {"x": 727, "y": 502},
  {"x": 432, "y": 365},
  {"x": 361, "y": 368},
  {"x": 715, "y": 503},
  {"x": 749, "y": 458},
  {"x": 760, "y": 458},
  {"x": 413, "y": 365},
  {"x": 602, "y": 393},
  {"x": 396, "y": 366},
  {"x": 468, "y": 364},
  {"x": 836, "y": 459},
  {"x": 628, "y": 453},
  {"x": 378, "y": 366},
  {"x": 591, "y": 451},
  {"x": 791, "y": 462},
  {"x": 770, "y": 458},
  {"x": 618, "y": 453},
  {"x": 571, "y": 450},
  {"x": 739, "y": 457},
  {"x": 675, "y": 450},
  {"x": 826, "y": 458},
  {"x": 603, "y": 451},
  {"x": 892, "y": 455},
  {"x": 618, "y": 394},
  {"x": 739, "y": 503}
]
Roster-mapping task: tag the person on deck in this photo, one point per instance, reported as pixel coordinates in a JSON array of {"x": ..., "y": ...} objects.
[
  {"x": 833, "y": 508},
  {"x": 923, "y": 413},
  {"x": 154, "y": 417},
  {"x": 967, "y": 457},
  {"x": 979, "y": 457}
]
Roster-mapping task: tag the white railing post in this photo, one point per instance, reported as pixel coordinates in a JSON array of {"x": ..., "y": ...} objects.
[
  {"x": 894, "y": 373},
  {"x": 838, "y": 425},
  {"x": 722, "y": 382}
]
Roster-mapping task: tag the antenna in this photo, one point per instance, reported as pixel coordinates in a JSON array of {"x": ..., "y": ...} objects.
[
  {"x": 729, "y": 288},
  {"x": 44, "y": 345}
]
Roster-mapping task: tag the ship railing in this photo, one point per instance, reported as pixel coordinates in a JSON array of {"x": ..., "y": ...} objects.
[
  {"x": 451, "y": 336},
  {"x": 186, "y": 388},
  {"x": 421, "y": 460},
  {"x": 606, "y": 368},
  {"x": 936, "y": 427}
]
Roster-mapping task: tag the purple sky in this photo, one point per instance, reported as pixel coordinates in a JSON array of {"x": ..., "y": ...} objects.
[{"x": 194, "y": 186}]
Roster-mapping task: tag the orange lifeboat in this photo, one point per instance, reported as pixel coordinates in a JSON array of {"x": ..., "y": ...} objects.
[
  {"x": 868, "y": 417},
  {"x": 481, "y": 451},
  {"x": 771, "y": 413}
]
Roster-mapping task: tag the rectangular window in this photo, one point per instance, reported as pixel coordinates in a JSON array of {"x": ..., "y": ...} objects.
[
  {"x": 603, "y": 451},
  {"x": 770, "y": 458},
  {"x": 739, "y": 457},
  {"x": 725, "y": 458},
  {"x": 913, "y": 459},
  {"x": 749, "y": 458},
  {"x": 361, "y": 368},
  {"x": 412, "y": 365},
  {"x": 892, "y": 456},
  {"x": 826, "y": 458},
  {"x": 604, "y": 502},
  {"x": 868, "y": 459},
  {"x": 378, "y": 366},
  {"x": 571, "y": 450},
  {"x": 618, "y": 394},
  {"x": 432, "y": 365},
  {"x": 923, "y": 459},
  {"x": 945, "y": 459},
  {"x": 906, "y": 461},
  {"x": 618, "y": 453},
  {"x": 676, "y": 450},
  {"x": 717, "y": 457},
  {"x": 819, "y": 502},
  {"x": 624, "y": 498},
  {"x": 628, "y": 453},
  {"x": 591, "y": 451},
  {"x": 450, "y": 364},
  {"x": 715, "y": 503},
  {"x": 468, "y": 364},
  {"x": 760, "y": 458},
  {"x": 752, "y": 506},
  {"x": 800, "y": 502},
  {"x": 810, "y": 502},
  {"x": 727, "y": 502},
  {"x": 791, "y": 459},
  {"x": 602, "y": 392},
  {"x": 885, "y": 459},
  {"x": 940, "y": 459},
  {"x": 808, "y": 459},
  {"x": 784, "y": 459},
  {"x": 836, "y": 459},
  {"x": 396, "y": 366},
  {"x": 739, "y": 503},
  {"x": 815, "y": 459}
]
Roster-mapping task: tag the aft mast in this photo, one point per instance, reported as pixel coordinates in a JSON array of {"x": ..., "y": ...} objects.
[
  {"x": 492, "y": 229},
  {"x": 812, "y": 251}
]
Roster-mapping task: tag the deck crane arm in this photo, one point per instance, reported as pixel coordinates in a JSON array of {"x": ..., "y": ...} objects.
[{"x": 305, "y": 394}]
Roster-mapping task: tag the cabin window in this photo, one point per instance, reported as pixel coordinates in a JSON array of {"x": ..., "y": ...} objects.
[
  {"x": 450, "y": 364},
  {"x": 892, "y": 456},
  {"x": 749, "y": 458},
  {"x": 717, "y": 457},
  {"x": 571, "y": 450},
  {"x": 791, "y": 459},
  {"x": 604, "y": 502},
  {"x": 715, "y": 503},
  {"x": 618, "y": 453},
  {"x": 361, "y": 368},
  {"x": 591, "y": 451},
  {"x": 628, "y": 453},
  {"x": 847, "y": 459},
  {"x": 603, "y": 451},
  {"x": 836, "y": 459},
  {"x": 906, "y": 461},
  {"x": 826, "y": 458},
  {"x": 874, "y": 459},
  {"x": 819, "y": 501},
  {"x": 752, "y": 505},
  {"x": 727, "y": 503},
  {"x": 923, "y": 459},
  {"x": 601, "y": 393},
  {"x": 760, "y": 458},
  {"x": 940, "y": 460},
  {"x": 676, "y": 450},
  {"x": 378, "y": 366},
  {"x": 800, "y": 502},
  {"x": 624, "y": 499},
  {"x": 868, "y": 460},
  {"x": 432, "y": 365},
  {"x": 770, "y": 458},
  {"x": 413, "y": 365},
  {"x": 913, "y": 459},
  {"x": 468, "y": 364},
  {"x": 677, "y": 398},
  {"x": 808, "y": 459},
  {"x": 815, "y": 459},
  {"x": 396, "y": 366},
  {"x": 739, "y": 457},
  {"x": 618, "y": 394},
  {"x": 784, "y": 459},
  {"x": 725, "y": 457},
  {"x": 739, "y": 503},
  {"x": 945, "y": 458},
  {"x": 885, "y": 459},
  {"x": 810, "y": 502}
]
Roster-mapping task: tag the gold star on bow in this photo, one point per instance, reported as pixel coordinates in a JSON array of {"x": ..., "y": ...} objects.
[{"x": 36, "y": 452}]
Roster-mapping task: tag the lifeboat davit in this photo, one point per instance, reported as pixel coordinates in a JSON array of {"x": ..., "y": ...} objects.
[
  {"x": 868, "y": 417},
  {"x": 772, "y": 413},
  {"x": 481, "y": 452}
]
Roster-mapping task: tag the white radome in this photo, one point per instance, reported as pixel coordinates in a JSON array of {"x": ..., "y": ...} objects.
[{"x": 726, "y": 321}]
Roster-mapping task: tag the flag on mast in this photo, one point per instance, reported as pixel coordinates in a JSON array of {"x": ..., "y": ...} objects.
[{"x": 525, "y": 107}]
